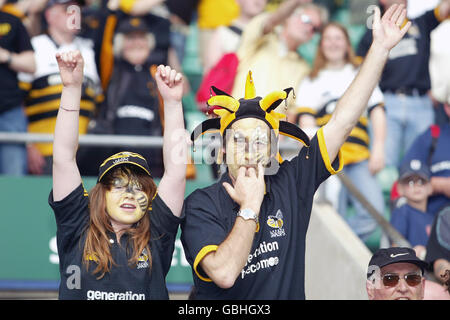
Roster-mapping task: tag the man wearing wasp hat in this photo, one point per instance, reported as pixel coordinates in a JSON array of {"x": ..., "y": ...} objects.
[{"x": 244, "y": 236}]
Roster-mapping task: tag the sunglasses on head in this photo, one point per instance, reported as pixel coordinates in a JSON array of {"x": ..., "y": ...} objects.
[{"x": 391, "y": 280}]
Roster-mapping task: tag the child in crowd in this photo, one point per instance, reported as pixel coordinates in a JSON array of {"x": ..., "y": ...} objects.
[{"x": 412, "y": 219}]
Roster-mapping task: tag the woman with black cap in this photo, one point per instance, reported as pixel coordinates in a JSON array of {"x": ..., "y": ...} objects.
[{"x": 117, "y": 242}]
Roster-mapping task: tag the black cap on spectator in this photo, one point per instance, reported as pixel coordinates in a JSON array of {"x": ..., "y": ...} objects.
[
  {"x": 132, "y": 24},
  {"x": 384, "y": 257},
  {"x": 414, "y": 167}
]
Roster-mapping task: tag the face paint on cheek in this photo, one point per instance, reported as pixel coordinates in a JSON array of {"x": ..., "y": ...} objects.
[
  {"x": 143, "y": 202},
  {"x": 261, "y": 158}
]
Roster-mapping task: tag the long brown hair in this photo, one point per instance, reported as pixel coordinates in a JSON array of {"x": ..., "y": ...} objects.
[
  {"x": 320, "y": 61},
  {"x": 97, "y": 245}
]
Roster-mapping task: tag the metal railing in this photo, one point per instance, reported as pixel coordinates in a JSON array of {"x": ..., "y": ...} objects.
[
  {"x": 112, "y": 140},
  {"x": 100, "y": 140}
]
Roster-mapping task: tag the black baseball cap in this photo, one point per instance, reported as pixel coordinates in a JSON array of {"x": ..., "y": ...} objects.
[
  {"x": 414, "y": 167},
  {"x": 132, "y": 24},
  {"x": 121, "y": 158},
  {"x": 387, "y": 256}
]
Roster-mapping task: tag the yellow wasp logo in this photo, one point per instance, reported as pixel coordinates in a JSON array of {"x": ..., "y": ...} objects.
[
  {"x": 275, "y": 221},
  {"x": 143, "y": 257}
]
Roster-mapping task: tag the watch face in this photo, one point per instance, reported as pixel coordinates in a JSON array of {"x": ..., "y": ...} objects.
[{"x": 247, "y": 214}]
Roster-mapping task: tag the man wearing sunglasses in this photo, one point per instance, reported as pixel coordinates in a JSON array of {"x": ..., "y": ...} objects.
[{"x": 396, "y": 274}]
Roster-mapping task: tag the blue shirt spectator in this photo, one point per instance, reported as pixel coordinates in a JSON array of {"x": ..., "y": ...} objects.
[
  {"x": 432, "y": 147},
  {"x": 413, "y": 224}
]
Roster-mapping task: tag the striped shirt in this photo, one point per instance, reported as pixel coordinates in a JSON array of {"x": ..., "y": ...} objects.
[{"x": 44, "y": 87}]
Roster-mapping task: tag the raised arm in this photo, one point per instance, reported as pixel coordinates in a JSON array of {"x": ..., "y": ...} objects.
[
  {"x": 386, "y": 34},
  {"x": 66, "y": 176},
  {"x": 172, "y": 185},
  {"x": 378, "y": 120}
]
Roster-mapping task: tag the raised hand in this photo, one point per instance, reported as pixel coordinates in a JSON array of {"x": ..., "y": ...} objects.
[
  {"x": 71, "y": 68},
  {"x": 387, "y": 30},
  {"x": 170, "y": 84}
]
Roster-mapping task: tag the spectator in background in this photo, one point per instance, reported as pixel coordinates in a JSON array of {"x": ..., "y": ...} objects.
[
  {"x": 117, "y": 11},
  {"x": 406, "y": 81},
  {"x": 132, "y": 105},
  {"x": 412, "y": 219},
  {"x": 178, "y": 12},
  {"x": 432, "y": 148},
  {"x": 398, "y": 274},
  {"x": 226, "y": 38},
  {"x": 333, "y": 71},
  {"x": 269, "y": 48},
  {"x": 44, "y": 86},
  {"x": 395, "y": 274},
  {"x": 16, "y": 55}
]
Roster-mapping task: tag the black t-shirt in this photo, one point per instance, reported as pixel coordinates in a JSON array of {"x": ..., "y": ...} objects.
[
  {"x": 438, "y": 246},
  {"x": 275, "y": 267},
  {"x": 407, "y": 66},
  {"x": 123, "y": 282},
  {"x": 14, "y": 38}
]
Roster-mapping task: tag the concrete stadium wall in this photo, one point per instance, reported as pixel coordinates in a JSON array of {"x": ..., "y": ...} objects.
[{"x": 336, "y": 259}]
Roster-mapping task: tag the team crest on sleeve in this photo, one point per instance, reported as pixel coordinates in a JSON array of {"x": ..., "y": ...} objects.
[{"x": 276, "y": 223}]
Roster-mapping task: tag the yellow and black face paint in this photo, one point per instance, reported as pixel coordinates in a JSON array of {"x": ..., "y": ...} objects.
[{"x": 125, "y": 182}]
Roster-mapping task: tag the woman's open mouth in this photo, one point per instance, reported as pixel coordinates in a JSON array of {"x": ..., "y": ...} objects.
[{"x": 128, "y": 206}]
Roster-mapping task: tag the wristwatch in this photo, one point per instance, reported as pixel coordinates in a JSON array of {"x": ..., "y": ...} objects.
[{"x": 248, "y": 214}]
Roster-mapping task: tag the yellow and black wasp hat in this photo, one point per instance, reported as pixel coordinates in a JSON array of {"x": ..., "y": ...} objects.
[{"x": 230, "y": 110}]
